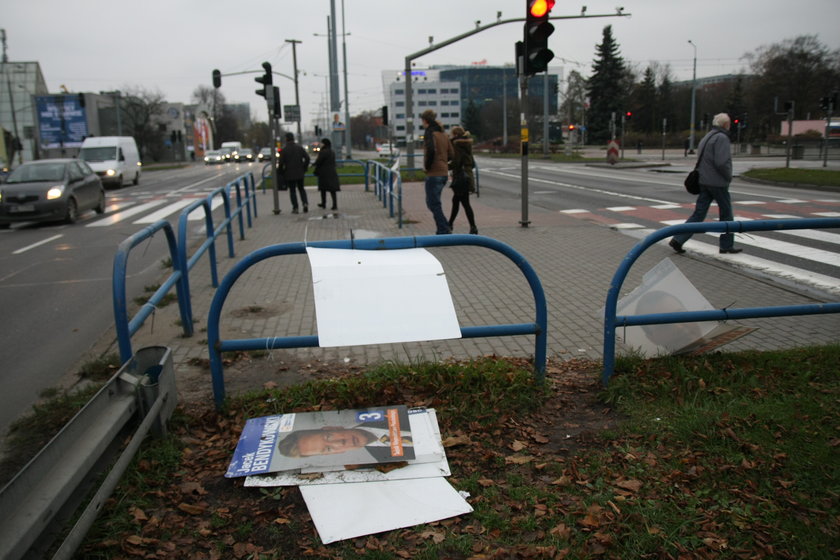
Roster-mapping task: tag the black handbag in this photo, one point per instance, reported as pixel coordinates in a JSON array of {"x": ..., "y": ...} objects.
[{"x": 692, "y": 182}]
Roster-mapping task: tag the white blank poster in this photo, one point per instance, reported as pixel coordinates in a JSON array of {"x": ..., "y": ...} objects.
[{"x": 380, "y": 297}]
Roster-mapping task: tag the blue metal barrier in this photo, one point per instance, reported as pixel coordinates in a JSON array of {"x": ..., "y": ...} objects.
[
  {"x": 387, "y": 187},
  {"x": 611, "y": 321},
  {"x": 217, "y": 345},
  {"x": 181, "y": 265},
  {"x": 178, "y": 278}
]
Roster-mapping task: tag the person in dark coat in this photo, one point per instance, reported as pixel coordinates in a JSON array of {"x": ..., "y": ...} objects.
[
  {"x": 463, "y": 178},
  {"x": 294, "y": 161},
  {"x": 327, "y": 174}
]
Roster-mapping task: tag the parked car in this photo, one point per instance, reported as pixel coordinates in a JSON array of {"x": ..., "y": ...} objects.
[
  {"x": 49, "y": 190},
  {"x": 244, "y": 155},
  {"x": 213, "y": 156},
  {"x": 386, "y": 148}
]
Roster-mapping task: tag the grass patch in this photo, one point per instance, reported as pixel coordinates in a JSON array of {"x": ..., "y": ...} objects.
[
  {"x": 167, "y": 298},
  {"x": 819, "y": 177},
  {"x": 716, "y": 456}
]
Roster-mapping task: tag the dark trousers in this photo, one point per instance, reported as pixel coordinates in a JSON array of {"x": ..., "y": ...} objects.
[
  {"x": 295, "y": 185},
  {"x": 324, "y": 200},
  {"x": 459, "y": 200},
  {"x": 701, "y": 208}
]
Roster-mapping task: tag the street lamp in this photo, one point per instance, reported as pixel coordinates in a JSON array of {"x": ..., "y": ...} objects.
[{"x": 693, "y": 98}]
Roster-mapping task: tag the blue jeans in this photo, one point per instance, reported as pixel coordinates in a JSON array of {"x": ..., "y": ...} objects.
[
  {"x": 701, "y": 208},
  {"x": 434, "y": 188}
]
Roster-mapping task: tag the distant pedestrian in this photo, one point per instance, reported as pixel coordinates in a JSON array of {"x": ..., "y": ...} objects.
[
  {"x": 294, "y": 161},
  {"x": 327, "y": 174},
  {"x": 463, "y": 176},
  {"x": 437, "y": 151},
  {"x": 715, "y": 168},
  {"x": 686, "y": 144}
]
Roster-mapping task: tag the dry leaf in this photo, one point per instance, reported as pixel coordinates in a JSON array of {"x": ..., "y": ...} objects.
[{"x": 191, "y": 509}]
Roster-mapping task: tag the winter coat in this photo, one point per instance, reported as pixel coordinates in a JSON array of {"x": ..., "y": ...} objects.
[
  {"x": 325, "y": 170},
  {"x": 462, "y": 160},
  {"x": 715, "y": 168},
  {"x": 294, "y": 161},
  {"x": 437, "y": 151}
]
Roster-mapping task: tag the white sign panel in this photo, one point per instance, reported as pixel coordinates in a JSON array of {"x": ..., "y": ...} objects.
[{"x": 380, "y": 297}]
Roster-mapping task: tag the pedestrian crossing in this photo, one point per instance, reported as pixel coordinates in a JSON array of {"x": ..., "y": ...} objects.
[
  {"x": 815, "y": 254},
  {"x": 139, "y": 210}
]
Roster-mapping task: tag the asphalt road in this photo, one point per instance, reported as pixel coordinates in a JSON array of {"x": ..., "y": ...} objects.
[{"x": 56, "y": 280}]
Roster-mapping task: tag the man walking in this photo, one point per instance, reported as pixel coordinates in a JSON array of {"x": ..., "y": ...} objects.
[
  {"x": 437, "y": 151},
  {"x": 294, "y": 161},
  {"x": 715, "y": 169}
]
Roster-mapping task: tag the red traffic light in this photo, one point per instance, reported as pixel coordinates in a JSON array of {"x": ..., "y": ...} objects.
[
  {"x": 539, "y": 8},
  {"x": 628, "y": 114},
  {"x": 571, "y": 127}
]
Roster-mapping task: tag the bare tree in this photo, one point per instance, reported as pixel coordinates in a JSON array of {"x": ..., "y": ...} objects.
[{"x": 140, "y": 108}]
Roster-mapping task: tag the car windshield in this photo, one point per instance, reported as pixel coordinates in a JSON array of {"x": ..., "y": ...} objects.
[
  {"x": 103, "y": 153},
  {"x": 37, "y": 172},
  {"x": 212, "y": 153}
]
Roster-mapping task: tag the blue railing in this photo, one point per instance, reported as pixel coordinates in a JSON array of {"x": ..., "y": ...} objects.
[
  {"x": 243, "y": 203},
  {"x": 611, "y": 321},
  {"x": 217, "y": 346},
  {"x": 387, "y": 187},
  {"x": 181, "y": 264}
]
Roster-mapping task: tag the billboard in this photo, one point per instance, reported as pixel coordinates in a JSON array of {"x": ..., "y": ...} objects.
[{"x": 62, "y": 121}]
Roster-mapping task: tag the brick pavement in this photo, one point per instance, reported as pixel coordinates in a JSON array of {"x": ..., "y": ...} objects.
[{"x": 574, "y": 259}]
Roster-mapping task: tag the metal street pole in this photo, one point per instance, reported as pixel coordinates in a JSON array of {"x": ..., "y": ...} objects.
[
  {"x": 348, "y": 138},
  {"x": 295, "y": 43},
  {"x": 693, "y": 98},
  {"x": 409, "y": 109}
]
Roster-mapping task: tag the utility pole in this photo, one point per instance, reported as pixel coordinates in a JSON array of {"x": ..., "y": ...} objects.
[
  {"x": 294, "y": 43},
  {"x": 693, "y": 98},
  {"x": 348, "y": 139}
]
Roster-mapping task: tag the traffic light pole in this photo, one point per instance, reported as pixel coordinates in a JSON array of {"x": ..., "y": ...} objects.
[
  {"x": 524, "y": 141},
  {"x": 409, "y": 108}
]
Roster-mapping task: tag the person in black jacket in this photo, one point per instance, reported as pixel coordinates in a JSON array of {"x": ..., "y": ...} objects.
[
  {"x": 325, "y": 169},
  {"x": 463, "y": 177},
  {"x": 294, "y": 161}
]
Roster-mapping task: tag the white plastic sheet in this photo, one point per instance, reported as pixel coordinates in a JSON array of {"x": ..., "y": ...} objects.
[{"x": 380, "y": 297}]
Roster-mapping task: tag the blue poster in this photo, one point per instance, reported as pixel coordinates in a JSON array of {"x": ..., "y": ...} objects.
[{"x": 61, "y": 121}]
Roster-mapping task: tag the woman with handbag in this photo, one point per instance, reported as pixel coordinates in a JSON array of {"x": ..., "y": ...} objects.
[
  {"x": 714, "y": 166},
  {"x": 463, "y": 179}
]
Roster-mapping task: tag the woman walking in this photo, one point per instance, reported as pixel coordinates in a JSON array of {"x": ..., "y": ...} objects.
[
  {"x": 327, "y": 174},
  {"x": 463, "y": 178}
]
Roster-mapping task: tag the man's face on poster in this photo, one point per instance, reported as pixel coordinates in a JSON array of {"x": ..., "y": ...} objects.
[{"x": 330, "y": 441}]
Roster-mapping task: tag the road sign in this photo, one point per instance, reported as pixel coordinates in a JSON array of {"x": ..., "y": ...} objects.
[
  {"x": 612, "y": 152},
  {"x": 292, "y": 113}
]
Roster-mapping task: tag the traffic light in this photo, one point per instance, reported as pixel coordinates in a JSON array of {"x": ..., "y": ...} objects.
[
  {"x": 537, "y": 55},
  {"x": 628, "y": 115},
  {"x": 384, "y": 115},
  {"x": 571, "y": 127},
  {"x": 265, "y": 80},
  {"x": 276, "y": 100},
  {"x": 217, "y": 79}
]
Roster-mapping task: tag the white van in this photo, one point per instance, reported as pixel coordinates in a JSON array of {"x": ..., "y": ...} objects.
[
  {"x": 114, "y": 158},
  {"x": 235, "y": 148}
]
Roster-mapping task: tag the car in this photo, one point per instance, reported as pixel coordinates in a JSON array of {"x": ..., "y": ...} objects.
[
  {"x": 49, "y": 190},
  {"x": 227, "y": 153},
  {"x": 264, "y": 155},
  {"x": 315, "y": 147},
  {"x": 386, "y": 148},
  {"x": 244, "y": 155},
  {"x": 213, "y": 156}
]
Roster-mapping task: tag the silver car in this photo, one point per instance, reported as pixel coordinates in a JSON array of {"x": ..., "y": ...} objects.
[{"x": 50, "y": 190}]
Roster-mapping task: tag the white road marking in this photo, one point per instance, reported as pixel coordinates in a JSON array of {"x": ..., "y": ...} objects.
[{"x": 37, "y": 244}]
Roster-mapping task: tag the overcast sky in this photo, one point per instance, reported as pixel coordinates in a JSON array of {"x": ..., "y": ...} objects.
[{"x": 173, "y": 45}]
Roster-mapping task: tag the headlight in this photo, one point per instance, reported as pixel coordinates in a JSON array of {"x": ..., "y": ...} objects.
[
  {"x": 110, "y": 173},
  {"x": 55, "y": 192}
]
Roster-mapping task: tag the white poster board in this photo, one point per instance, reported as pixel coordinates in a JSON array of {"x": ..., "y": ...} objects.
[{"x": 380, "y": 297}]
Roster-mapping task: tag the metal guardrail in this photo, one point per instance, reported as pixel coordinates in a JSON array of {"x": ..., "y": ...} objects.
[
  {"x": 181, "y": 265},
  {"x": 40, "y": 500},
  {"x": 387, "y": 187},
  {"x": 217, "y": 346},
  {"x": 611, "y": 321}
]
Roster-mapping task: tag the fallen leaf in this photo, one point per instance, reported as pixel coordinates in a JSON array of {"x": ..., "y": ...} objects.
[
  {"x": 517, "y": 445},
  {"x": 436, "y": 536},
  {"x": 191, "y": 509},
  {"x": 486, "y": 482},
  {"x": 452, "y": 441},
  {"x": 632, "y": 485},
  {"x": 518, "y": 459}
]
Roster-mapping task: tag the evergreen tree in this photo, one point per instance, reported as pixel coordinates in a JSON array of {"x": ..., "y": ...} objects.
[
  {"x": 472, "y": 120},
  {"x": 645, "y": 103},
  {"x": 606, "y": 94},
  {"x": 666, "y": 104}
]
